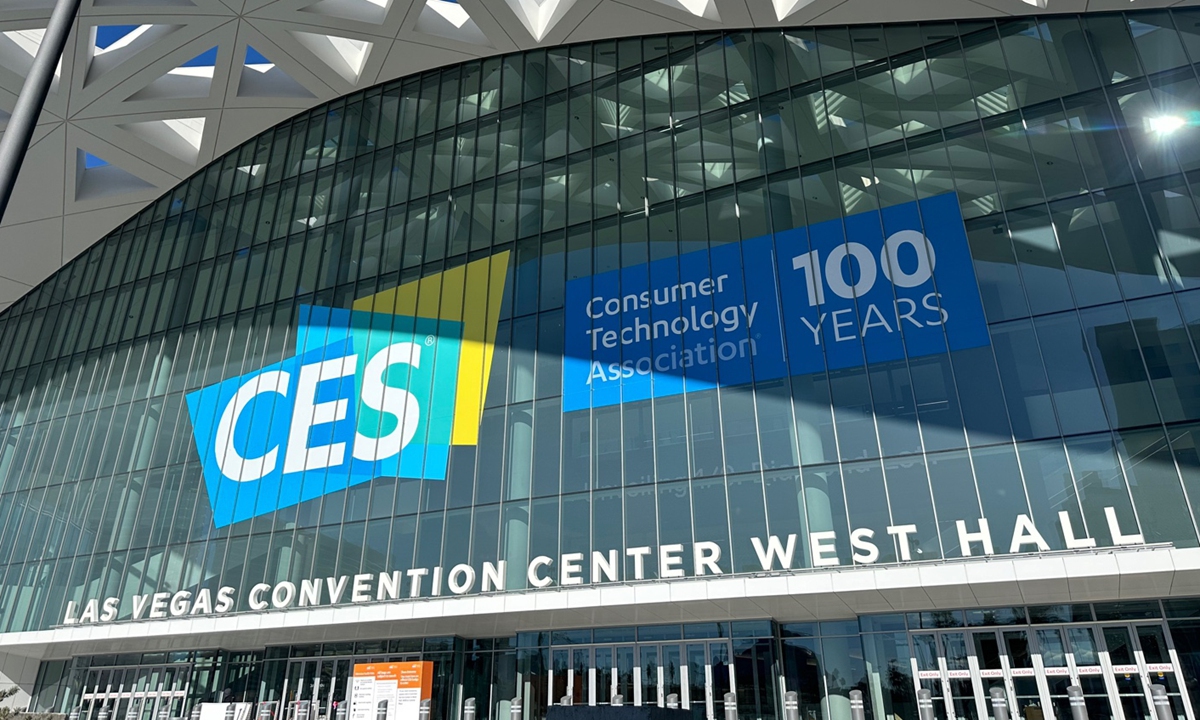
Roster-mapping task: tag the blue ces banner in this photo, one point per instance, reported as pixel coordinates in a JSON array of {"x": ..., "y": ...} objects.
[
  {"x": 873, "y": 287},
  {"x": 383, "y": 389}
]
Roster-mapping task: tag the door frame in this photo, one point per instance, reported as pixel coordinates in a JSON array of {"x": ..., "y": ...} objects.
[
  {"x": 592, "y": 675},
  {"x": 1108, "y": 669}
]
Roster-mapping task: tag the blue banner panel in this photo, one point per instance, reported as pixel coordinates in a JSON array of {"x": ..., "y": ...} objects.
[{"x": 874, "y": 287}]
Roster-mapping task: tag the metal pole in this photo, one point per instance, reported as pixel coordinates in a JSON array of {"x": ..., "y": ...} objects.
[
  {"x": 791, "y": 705},
  {"x": 15, "y": 141},
  {"x": 925, "y": 704},
  {"x": 1078, "y": 707},
  {"x": 565, "y": 700},
  {"x": 618, "y": 700},
  {"x": 515, "y": 709},
  {"x": 673, "y": 701},
  {"x": 857, "y": 711},
  {"x": 730, "y": 706},
  {"x": 999, "y": 703},
  {"x": 1162, "y": 704},
  {"x": 469, "y": 709},
  {"x": 425, "y": 709}
]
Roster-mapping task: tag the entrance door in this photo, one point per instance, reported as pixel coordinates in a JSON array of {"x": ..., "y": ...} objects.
[
  {"x": 1138, "y": 655},
  {"x": 314, "y": 687},
  {"x": 1069, "y": 656},
  {"x": 1113, "y": 663},
  {"x": 1126, "y": 673},
  {"x": 960, "y": 669},
  {"x": 135, "y": 693},
  {"x": 942, "y": 664},
  {"x": 699, "y": 673}
]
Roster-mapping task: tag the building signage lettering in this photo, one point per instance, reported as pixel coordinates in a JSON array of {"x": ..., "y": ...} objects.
[
  {"x": 844, "y": 293},
  {"x": 774, "y": 553}
]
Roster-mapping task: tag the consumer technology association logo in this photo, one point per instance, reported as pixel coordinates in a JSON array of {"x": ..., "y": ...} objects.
[{"x": 383, "y": 389}]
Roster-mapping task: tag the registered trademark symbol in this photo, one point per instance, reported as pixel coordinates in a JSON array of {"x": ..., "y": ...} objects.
[{"x": 428, "y": 339}]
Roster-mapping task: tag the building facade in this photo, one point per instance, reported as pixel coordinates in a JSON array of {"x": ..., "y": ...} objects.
[{"x": 783, "y": 360}]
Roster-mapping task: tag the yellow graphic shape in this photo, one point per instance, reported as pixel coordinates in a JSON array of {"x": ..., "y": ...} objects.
[{"x": 470, "y": 294}]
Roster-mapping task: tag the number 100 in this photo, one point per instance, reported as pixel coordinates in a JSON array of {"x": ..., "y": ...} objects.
[{"x": 868, "y": 268}]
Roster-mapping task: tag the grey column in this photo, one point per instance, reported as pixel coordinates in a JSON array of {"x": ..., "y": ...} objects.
[
  {"x": 858, "y": 711},
  {"x": 1078, "y": 706},
  {"x": 925, "y": 704},
  {"x": 516, "y": 708},
  {"x": 673, "y": 701},
  {"x": 999, "y": 703},
  {"x": 516, "y": 520},
  {"x": 730, "y": 706},
  {"x": 15, "y": 142},
  {"x": 469, "y": 709},
  {"x": 425, "y": 710},
  {"x": 1162, "y": 703},
  {"x": 791, "y": 705}
]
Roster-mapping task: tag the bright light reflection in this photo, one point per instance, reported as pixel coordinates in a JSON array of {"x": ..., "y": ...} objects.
[{"x": 1165, "y": 124}]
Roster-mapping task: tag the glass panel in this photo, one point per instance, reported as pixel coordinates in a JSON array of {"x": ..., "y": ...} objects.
[
  {"x": 559, "y": 666},
  {"x": 1153, "y": 644},
  {"x": 962, "y": 693},
  {"x": 697, "y": 697},
  {"x": 991, "y": 669},
  {"x": 671, "y": 671},
  {"x": 625, "y": 664},
  {"x": 1119, "y": 646},
  {"x": 604, "y": 675},
  {"x": 581, "y": 661},
  {"x": 1020, "y": 662},
  {"x": 719, "y": 661},
  {"x": 649, "y": 675}
]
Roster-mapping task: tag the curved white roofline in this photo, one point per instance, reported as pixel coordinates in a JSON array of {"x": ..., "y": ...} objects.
[{"x": 156, "y": 105}]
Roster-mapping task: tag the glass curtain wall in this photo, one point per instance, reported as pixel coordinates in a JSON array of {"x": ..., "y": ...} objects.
[{"x": 1071, "y": 143}]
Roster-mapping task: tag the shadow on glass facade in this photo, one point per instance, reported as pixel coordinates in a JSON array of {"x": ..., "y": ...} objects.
[{"x": 1071, "y": 143}]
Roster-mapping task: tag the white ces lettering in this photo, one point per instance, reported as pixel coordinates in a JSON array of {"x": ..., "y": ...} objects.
[
  {"x": 232, "y": 464},
  {"x": 393, "y": 401},
  {"x": 299, "y": 455},
  {"x": 308, "y": 412}
]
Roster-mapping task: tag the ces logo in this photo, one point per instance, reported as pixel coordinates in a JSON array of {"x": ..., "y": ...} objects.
[{"x": 384, "y": 389}]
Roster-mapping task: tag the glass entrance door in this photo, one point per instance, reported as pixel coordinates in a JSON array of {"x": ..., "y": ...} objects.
[
  {"x": 699, "y": 673},
  {"x": 1138, "y": 655},
  {"x": 315, "y": 687},
  {"x": 944, "y": 664},
  {"x": 1069, "y": 656},
  {"x": 960, "y": 668},
  {"x": 1113, "y": 663},
  {"x": 135, "y": 693}
]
